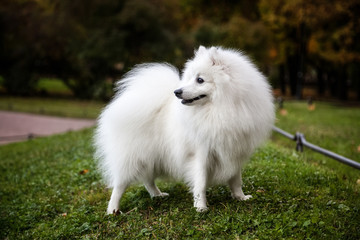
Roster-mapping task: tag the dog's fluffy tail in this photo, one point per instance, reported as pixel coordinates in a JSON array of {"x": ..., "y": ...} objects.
[
  {"x": 148, "y": 75},
  {"x": 142, "y": 92}
]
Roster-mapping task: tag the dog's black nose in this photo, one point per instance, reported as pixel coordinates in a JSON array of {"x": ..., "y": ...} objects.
[{"x": 178, "y": 92}]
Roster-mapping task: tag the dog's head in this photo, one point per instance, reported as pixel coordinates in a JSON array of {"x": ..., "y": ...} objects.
[{"x": 202, "y": 77}]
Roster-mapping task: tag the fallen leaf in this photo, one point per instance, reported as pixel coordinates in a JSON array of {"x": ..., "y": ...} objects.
[
  {"x": 358, "y": 181},
  {"x": 358, "y": 148},
  {"x": 260, "y": 190},
  {"x": 85, "y": 171},
  {"x": 64, "y": 214},
  {"x": 283, "y": 112},
  {"x": 311, "y": 107}
]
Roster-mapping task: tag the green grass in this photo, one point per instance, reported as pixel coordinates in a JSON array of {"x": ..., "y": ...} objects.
[
  {"x": 53, "y": 86},
  {"x": 331, "y": 126},
  {"x": 44, "y": 196},
  {"x": 56, "y": 107}
]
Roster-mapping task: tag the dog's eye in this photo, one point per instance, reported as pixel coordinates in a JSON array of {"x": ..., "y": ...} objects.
[{"x": 200, "y": 80}]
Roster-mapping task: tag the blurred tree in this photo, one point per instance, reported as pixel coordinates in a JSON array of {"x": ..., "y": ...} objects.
[
  {"x": 111, "y": 36},
  {"x": 90, "y": 43},
  {"x": 334, "y": 42},
  {"x": 286, "y": 20},
  {"x": 17, "y": 54},
  {"x": 250, "y": 36},
  {"x": 319, "y": 33},
  {"x": 83, "y": 42},
  {"x": 229, "y": 23}
]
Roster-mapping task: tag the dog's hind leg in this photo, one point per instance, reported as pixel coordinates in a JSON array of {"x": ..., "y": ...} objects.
[
  {"x": 118, "y": 191},
  {"x": 153, "y": 190},
  {"x": 235, "y": 184}
]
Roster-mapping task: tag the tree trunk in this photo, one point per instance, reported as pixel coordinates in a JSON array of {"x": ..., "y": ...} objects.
[
  {"x": 333, "y": 82},
  {"x": 342, "y": 84},
  {"x": 320, "y": 82},
  {"x": 282, "y": 79},
  {"x": 356, "y": 79},
  {"x": 292, "y": 65},
  {"x": 301, "y": 60}
]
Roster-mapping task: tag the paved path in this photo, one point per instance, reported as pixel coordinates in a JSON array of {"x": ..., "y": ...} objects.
[{"x": 16, "y": 127}]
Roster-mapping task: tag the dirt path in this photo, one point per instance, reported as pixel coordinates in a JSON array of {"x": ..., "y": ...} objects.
[{"x": 15, "y": 127}]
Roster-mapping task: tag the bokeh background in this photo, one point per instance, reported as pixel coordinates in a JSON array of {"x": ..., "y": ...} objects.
[
  {"x": 62, "y": 58},
  {"x": 80, "y": 48}
]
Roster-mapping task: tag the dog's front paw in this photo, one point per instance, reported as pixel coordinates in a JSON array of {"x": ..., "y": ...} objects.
[
  {"x": 246, "y": 197},
  {"x": 202, "y": 209}
]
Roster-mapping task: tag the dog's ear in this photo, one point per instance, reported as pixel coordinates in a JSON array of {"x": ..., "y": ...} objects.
[
  {"x": 217, "y": 60},
  {"x": 200, "y": 51},
  {"x": 214, "y": 56}
]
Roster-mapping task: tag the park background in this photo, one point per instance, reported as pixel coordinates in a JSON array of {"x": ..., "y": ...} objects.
[
  {"x": 306, "y": 48},
  {"x": 62, "y": 58}
]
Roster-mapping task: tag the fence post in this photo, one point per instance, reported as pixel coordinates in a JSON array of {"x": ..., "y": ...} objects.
[{"x": 299, "y": 141}]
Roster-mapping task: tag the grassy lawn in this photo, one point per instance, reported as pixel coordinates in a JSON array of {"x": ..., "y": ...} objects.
[
  {"x": 45, "y": 193},
  {"x": 50, "y": 189},
  {"x": 333, "y": 127},
  {"x": 49, "y": 106}
]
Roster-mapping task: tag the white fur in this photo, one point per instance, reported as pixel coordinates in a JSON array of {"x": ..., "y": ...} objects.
[{"x": 146, "y": 132}]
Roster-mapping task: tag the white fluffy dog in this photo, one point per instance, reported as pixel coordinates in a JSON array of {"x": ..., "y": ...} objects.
[{"x": 225, "y": 111}]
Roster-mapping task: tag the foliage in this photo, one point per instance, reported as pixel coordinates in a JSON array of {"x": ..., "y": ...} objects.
[
  {"x": 47, "y": 194},
  {"x": 53, "y": 87},
  {"x": 82, "y": 46},
  {"x": 88, "y": 44},
  {"x": 321, "y": 33}
]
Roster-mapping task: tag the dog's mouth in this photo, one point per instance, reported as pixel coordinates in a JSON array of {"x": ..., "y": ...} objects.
[{"x": 187, "y": 101}]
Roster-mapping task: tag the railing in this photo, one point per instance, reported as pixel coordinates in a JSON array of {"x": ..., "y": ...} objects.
[{"x": 301, "y": 142}]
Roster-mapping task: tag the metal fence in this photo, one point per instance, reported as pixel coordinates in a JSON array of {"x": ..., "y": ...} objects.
[{"x": 301, "y": 142}]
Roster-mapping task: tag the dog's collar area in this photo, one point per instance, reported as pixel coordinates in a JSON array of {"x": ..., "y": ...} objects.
[{"x": 186, "y": 101}]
